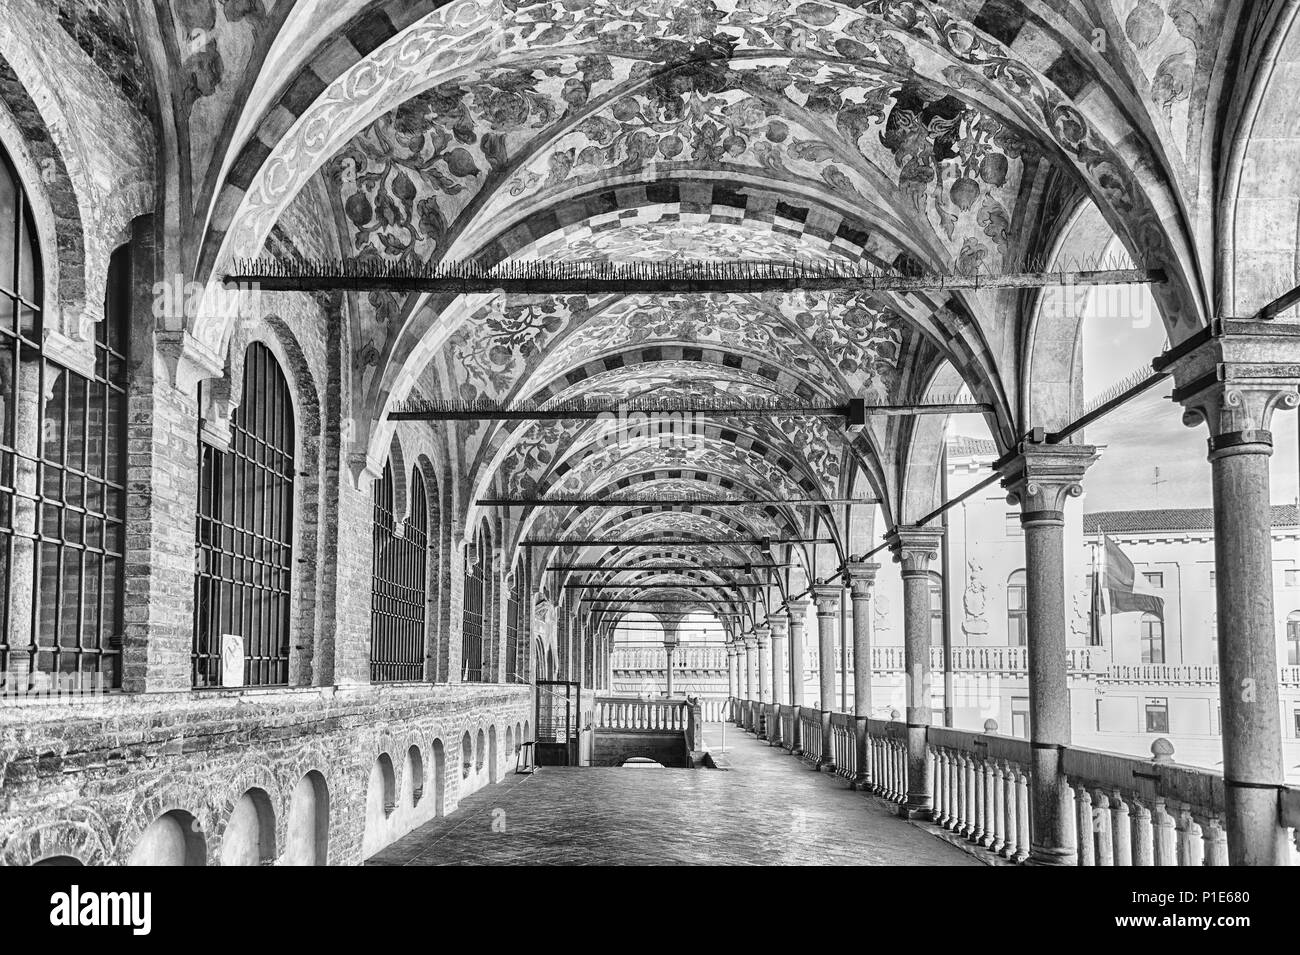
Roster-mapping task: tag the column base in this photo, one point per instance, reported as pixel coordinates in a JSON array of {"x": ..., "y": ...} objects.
[
  {"x": 824, "y": 764},
  {"x": 917, "y": 807},
  {"x": 1050, "y": 855},
  {"x": 861, "y": 782}
]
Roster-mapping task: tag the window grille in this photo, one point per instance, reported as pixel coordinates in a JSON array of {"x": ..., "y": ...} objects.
[{"x": 397, "y": 605}]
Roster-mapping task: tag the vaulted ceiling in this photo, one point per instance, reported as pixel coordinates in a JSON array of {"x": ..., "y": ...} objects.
[{"x": 904, "y": 134}]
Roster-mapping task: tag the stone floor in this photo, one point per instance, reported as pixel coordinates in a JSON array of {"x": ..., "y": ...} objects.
[{"x": 767, "y": 808}]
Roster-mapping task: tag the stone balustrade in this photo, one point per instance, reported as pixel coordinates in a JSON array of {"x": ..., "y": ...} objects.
[
  {"x": 637, "y": 714},
  {"x": 1125, "y": 810}
]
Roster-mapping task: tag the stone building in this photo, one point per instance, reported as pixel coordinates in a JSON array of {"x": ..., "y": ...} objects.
[{"x": 363, "y": 363}]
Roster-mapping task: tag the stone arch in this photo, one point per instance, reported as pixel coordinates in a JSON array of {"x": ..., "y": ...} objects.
[
  {"x": 413, "y": 771},
  {"x": 309, "y": 660},
  {"x": 466, "y": 755},
  {"x": 493, "y": 758},
  {"x": 308, "y": 824},
  {"x": 78, "y": 833},
  {"x": 174, "y": 838},
  {"x": 480, "y": 751},
  {"x": 1259, "y": 210},
  {"x": 439, "y": 776},
  {"x": 248, "y": 836},
  {"x": 401, "y": 477}
]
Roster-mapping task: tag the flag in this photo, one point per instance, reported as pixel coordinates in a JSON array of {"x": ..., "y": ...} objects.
[
  {"x": 1097, "y": 603},
  {"x": 1129, "y": 591}
]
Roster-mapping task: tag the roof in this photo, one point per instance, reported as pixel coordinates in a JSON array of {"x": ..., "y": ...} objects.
[
  {"x": 1173, "y": 519},
  {"x": 963, "y": 445}
]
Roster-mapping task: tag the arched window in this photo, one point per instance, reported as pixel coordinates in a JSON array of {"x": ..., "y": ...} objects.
[
  {"x": 1153, "y": 639},
  {"x": 62, "y": 475},
  {"x": 1293, "y": 638},
  {"x": 1017, "y": 611},
  {"x": 397, "y": 603},
  {"x": 514, "y": 621},
  {"x": 245, "y": 536},
  {"x": 472, "y": 620}
]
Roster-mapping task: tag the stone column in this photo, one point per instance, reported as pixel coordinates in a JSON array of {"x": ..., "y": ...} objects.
[
  {"x": 1233, "y": 384},
  {"x": 733, "y": 680},
  {"x": 1040, "y": 478},
  {"x": 668, "y": 668},
  {"x": 914, "y": 548},
  {"x": 828, "y": 600},
  {"x": 798, "y": 611},
  {"x": 751, "y": 668},
  {"x": 861, "y": 576},
  {"x": 778, "y": 624},
  {"x": 763, "y": 636}
]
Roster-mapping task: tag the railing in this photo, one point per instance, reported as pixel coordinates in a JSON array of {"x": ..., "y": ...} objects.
[
  {"x": 887, "y": 753},
  {"x": 844, "y": 745},
  {"x": 810, "y": 731},
  {"x": 1131, "y": 811},
  {"x": 629, "y": 714},
  {"x": 1162, "y": 673},
  {"x": 789, "y": 715},
  {"x": 981, "y": 789},
  {"x": 684, "y": 658},
  {"x": 994, "y": 659}
]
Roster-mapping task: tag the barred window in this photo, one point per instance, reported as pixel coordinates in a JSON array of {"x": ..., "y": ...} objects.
[
  {"x": 472, "y": 620},
  {"x": 245, "y": 536},
  {"x": 514, "y": 614},
  {"x": 397, "y": 603},
  {"x": 62, "y": 477}
]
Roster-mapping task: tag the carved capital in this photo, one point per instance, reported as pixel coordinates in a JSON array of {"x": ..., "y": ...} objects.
[
  {"x": 797, "y": 610},
  {"x": 763, "y": 637},
  {"x": 779, "y": 625},
  {"x": 915, "y": 547},
  {"x": 861, "y": 575},
  {"x": 828, "y": 599},
  {"x": 1239, "y": 376},
  {"x": 1042, "y": 477}
]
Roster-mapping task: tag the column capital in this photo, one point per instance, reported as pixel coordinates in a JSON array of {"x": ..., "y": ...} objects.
[
  {"x": 861, "y": 575},
  {"x": 779, "y": 624},
  {"x": 763, "y": 636},
  {"x": 827, "y": 597},
  {"x": 797, "y": 609},
  {"x": 1040, "y": 477},
  {"x": 914, "y": 547},
  {"x": 1237, "y": 377},
  {"x": 732, "y": 650}
]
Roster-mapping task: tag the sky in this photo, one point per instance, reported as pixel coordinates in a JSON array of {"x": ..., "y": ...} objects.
[{"x": 1149, "y": 458}]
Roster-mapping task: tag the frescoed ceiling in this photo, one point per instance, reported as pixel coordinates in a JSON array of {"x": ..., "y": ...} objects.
[{"x": 901, "y": 134}]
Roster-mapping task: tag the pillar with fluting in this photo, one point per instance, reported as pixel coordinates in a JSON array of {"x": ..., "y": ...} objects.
[
  {"x": 1041, "y": 477},
  {"x": 1234, "y": 384},
  {"x": 798, "y": 612},
  {"x": 828, "y": 619},
  {"x": 915, "y": 548},
  {"x": 861, "y": 576}
]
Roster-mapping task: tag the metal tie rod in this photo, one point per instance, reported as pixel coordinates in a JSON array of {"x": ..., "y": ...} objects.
[{"x": 740, "y": 541}]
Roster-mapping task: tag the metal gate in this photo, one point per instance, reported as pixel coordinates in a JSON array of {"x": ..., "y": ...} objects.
[{"x": 557, "y": 718}]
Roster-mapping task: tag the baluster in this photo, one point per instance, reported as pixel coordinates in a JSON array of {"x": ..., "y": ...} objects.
[
  {"x": 998, "y": 802},
  {"x": 968, "y": 785},
  {"x": 1191, "y": 844},
  {"x": 1083, "y": 826},
  {"x": 989, "y": 837},
  {"x": 1216, "y": 842},
  {"x": 1143, "y": 837},
  {"x": 977, "y": 801},
  {"x": 940, "y": 787},
  {"x": 1121, "y": 830},
  {"x": 1164, "y": 834},
  {"x": 1011, "y": 830},
  {"x": 955, "y": 775},
  {"x": 1105, "y": 855},
  {"x": 1024, "y": 836}
]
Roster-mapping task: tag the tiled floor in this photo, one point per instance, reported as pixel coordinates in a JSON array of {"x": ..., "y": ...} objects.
[{"x": 768, "y": 808}]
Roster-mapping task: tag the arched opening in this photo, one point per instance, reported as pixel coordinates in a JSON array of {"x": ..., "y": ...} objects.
[
  {"x": 245, "y": 536},
  {"x": 466, "y": 755},
  {"x": 493, "y": 760},
  {"x": 415, "y": 773},
  {"x": 386, "y": 780},
  {"x": 641, "y": 762},
  {"x": 381, "y": 800},
  {"x": 439, "y": 777},
  {"x": 59, "y": 860},
  {"x": 527, "y": 736},
  {"x": 519, "y": 737},
  {"x": 309, "y": 822},
  {"x": 398, "y": 603},
  {"x": 480, "y": 752},
  {"x": 249, "y": 837},
  {"x": 174, "y": 838}
]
